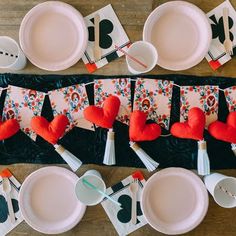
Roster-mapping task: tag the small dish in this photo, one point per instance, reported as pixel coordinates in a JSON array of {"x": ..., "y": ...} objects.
[
  {"x": 174, "y": 201},
  {"x": 48, "y": 202}
]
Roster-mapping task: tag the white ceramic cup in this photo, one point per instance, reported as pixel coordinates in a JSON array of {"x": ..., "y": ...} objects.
[
  {"x": 11, "y": 55},
  {"x": 85, "y": 194},
  {"x": 144, "y": 52},
  {"x": 217, "y": 185}
]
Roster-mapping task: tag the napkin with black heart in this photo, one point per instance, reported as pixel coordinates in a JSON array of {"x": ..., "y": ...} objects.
[
  {"x": 5, "y": 224},
  {"x": 111, "y": 33},
  {"x": 121, "y": 216},
  {"x": 216, "y": 55}
]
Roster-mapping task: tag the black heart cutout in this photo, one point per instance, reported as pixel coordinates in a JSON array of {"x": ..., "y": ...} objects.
[
  {"x": 218, "y": 28},
  {"x": 4, "y": 209},
  {"x": 105, "y": 28},
  {"x": 124, "y": 215}
]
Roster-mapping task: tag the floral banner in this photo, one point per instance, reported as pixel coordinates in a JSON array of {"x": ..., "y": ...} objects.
[
  {"x": 154, "y": 97},
  {"x": 71, "y": 101},
  {"x": 230, "y": 96},
  {"x": 23, "y": 104},
  {"x": 204, "y": 97},
  {"x": 118, "y": 87}
]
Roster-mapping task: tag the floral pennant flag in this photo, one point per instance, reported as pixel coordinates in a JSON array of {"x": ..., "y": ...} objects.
[
  {"x": 230, "y": 96},
  {"x": 154, "y": 97},
  {"x": 204, "y": 97},
  {"x": 71, "y": 101},
  {"x": 118, "y": 87},
  {"x": 22, "y": 104}
]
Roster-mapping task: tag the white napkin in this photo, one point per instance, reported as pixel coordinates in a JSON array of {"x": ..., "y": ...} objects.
[
  {"x": 216, "y": 55},
  {"x": 111, "y": 34},
  {"x": 121, "y": 218},
  {"x": 5, "y": 224}
]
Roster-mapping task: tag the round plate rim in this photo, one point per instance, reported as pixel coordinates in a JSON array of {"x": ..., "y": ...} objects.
[
  {"x": 173, "y": 4},
  {"x": 174, "y": 171},
  {"x": 53, "y": 66},
  {"x": 21, "y": 195}
]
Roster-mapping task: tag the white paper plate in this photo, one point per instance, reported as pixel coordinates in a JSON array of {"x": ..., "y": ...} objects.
[
  {"x": 181, "y": 33},
  {"x": 48, "y": 202},
  {"x": 53, "y": 35},
  {"x": 174, "y": 201}
]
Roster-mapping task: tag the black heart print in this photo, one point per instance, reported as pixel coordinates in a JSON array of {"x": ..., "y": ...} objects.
[
  {"x": 124, "y": 215},
  {"x": 105, "y": 28},
  {"x": 218, "y": 28},
  {"x": 4, "y": 209}
]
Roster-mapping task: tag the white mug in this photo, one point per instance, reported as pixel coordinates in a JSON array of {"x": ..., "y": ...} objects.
[
  {"x": 85, "y": 194},
  {"x": 222, "y": 188},
  {"x": 11, "y": 55}
]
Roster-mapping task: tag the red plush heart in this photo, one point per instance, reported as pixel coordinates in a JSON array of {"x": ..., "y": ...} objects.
[
  {"x": 193, "y": 128},
  {"x": 8, "y": 128},
  {"x": 105, "y": 116},
  {"x": 139, "y": 130},
  {"x": 50, "y": 131},
  {"x": 224, "y": 131}
]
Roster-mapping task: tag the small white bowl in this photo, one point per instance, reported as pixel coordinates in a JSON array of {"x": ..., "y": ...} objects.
[{"x": 144, "y": 52}]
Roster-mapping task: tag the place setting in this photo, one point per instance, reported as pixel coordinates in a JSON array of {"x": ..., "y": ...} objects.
[{"x": 176, "y": 130}]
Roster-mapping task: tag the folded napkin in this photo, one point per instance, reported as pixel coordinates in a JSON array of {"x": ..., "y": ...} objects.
[
  {"x": 5, "y": 224},
  {"x": 111, "y": 34},
  {"x": 121, "y": 217},
  {"x": 216, "y": 55}
]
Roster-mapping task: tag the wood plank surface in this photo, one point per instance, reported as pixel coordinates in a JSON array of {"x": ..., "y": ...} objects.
[{"x": 132, "y": 14}]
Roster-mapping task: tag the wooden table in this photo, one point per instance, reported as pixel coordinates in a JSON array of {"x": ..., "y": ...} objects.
[{"x": 132, "y": 14}]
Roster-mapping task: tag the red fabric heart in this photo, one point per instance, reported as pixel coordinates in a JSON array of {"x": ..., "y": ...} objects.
[
  {"x": 224, "y": 131},
  {"x": 50, "y": 131},
  {"x": 105, "y": 116},
  {"x": 139, "y": 130},
  {"x": 8, "y": 128},
  {"x": 193, "y": 128}
]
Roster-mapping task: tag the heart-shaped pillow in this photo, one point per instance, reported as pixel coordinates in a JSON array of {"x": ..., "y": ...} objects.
[
  {"x": 105, "y": 116},
  {"x": 50, "y": 131},
  {"x": 139, "y": 130},
  {"x": 8, "y": 128},
  {"x": 224, "y": 131},
  {"x": 193, "y": 128}
]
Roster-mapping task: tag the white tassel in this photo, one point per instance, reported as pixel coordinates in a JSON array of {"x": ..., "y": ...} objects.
[
  {"x": 68, "y": 157},
  {"x": 150, "y": 164},
  {"x": 203, "y": 163},
  {"x": 109, "y": 155},
  {"x": 233, "y": 147}
]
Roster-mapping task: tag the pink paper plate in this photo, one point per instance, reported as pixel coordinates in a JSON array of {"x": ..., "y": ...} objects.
[
  {"x": 53, "y": 35},
  {"x": 181, "y": 33},
  {"x": 48, "y": 202},
  {"x": 174, "y": 201}
]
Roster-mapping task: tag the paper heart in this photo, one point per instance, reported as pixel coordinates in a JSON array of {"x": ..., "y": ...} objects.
[
  {"x": 105, "y": 116},
  {"x": 193, "y": 128},
  {"x": 139, "y": 130},
  {"x": 224, "y": 131},
  {"x": 8, "y": 128},
  {"x": 50, "y": 131}
]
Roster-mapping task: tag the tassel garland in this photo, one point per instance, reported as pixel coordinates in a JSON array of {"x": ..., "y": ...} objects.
[
  {"x": 68, "y": 157},
  {"x": 233, "y": 147},
  {"x": 150, "y": 164},
  {"x": 109, "y": 155},
  {"x": 203, "y": 163}
]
